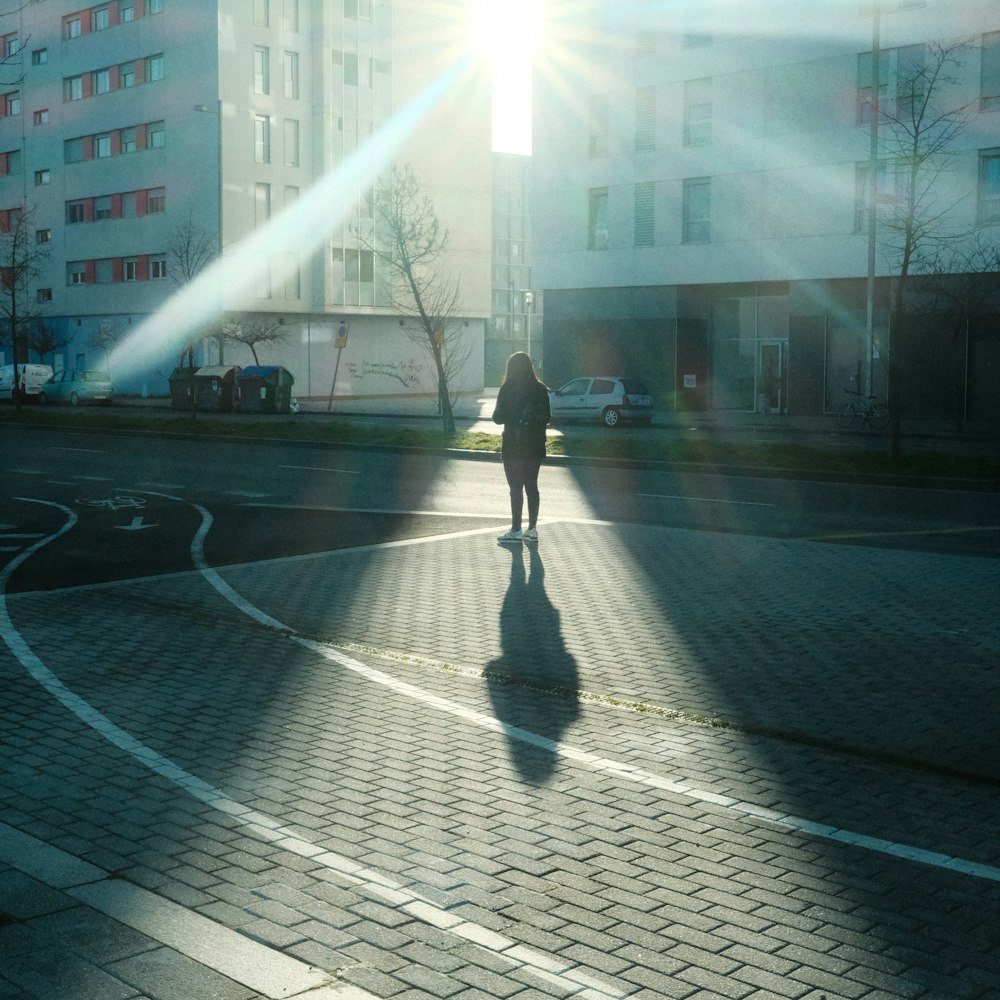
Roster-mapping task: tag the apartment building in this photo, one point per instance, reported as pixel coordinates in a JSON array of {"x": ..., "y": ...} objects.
[
  {"x": 138, "y": 137},
  {"x": 701, "y": 201},
  {"x": 517, "y": 306}
]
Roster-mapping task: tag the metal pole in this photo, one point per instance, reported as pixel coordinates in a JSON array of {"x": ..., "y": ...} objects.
[{"x": 872, "y": 196}]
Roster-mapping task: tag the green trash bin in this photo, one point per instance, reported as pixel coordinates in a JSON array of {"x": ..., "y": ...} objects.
[
  {"x": 181, "y": 385},
  {"x": 213, "y": 387},
  {"x": 264, "y": 389}
]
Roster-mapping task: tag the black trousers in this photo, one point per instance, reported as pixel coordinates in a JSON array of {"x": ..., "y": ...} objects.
[{"x": 522, "y": 478}]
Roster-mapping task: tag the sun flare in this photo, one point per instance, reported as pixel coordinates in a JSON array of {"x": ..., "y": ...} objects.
[{"x": 507, "y": 34}]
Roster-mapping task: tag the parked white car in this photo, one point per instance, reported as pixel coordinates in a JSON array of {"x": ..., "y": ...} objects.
[
  {"x": 32, "y": 378},
  {"x": 608, "y": 398}
]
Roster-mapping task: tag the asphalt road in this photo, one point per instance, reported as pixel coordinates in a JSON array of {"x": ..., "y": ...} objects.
[{"x": 131, "y": 498}]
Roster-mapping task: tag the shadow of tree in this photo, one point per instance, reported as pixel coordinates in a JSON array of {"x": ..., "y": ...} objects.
[{"x": 534, "y": 665}]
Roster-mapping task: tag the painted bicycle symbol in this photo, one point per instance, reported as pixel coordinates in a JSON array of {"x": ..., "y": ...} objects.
[{"x": 115, "y": 503}]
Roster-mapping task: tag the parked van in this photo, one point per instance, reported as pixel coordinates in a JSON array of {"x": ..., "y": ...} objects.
[{"x": 33, "y": 377}]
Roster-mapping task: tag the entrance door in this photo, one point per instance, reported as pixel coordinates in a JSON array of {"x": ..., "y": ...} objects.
[{"x": 772, "y": 376}]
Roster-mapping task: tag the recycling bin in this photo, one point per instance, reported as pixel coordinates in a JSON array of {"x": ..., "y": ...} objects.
[
  {"x": 264, "y": 389},
  {"x": 213, "y": 387},
  {"x": 181, "y": 384}
]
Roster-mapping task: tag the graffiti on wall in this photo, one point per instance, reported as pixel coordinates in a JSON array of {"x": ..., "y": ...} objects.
[{"x": 406, "y": 371}]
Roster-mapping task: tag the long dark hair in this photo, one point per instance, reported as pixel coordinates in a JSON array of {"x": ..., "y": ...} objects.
[{"x": 520, "y": 369}]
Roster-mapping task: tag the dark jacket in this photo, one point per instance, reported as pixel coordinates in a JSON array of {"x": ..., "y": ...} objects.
[{"x": 523, "y": 409}]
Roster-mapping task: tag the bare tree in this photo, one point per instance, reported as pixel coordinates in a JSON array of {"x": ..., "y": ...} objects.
[
  {"x": 42, "y": 339},
  {"x": 411, "y": 244},
  {"x": 190, "y": 249},
  {"x": 21, "y": 261},
  {"x": 107, "y": 338},
  {"x": 254, "y": 333},
  {"x": 917, "y": 134}
]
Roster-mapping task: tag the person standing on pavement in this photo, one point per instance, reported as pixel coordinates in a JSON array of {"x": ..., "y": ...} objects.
[{"x": 523, "y": 409}]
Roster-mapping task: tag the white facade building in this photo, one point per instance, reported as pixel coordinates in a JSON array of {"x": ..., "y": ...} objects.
[
  {"x": 262, "y": 126},
  {"x": 700, "y": 199}
]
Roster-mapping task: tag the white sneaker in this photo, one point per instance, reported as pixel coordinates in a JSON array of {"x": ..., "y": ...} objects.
[
  {"x": 531, "y": 535},
  {"x": 510, "y": 536}
]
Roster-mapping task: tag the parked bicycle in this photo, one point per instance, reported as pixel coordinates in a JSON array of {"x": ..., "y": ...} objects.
[{"x": 865, "y": 408}]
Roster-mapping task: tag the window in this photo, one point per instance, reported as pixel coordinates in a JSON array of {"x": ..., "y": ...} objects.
[
  {"x": 103, "y": 272},
  {"x": 42, "y": 177},
  {"x": 11, "y": 45},
  {"x": 365, "y": 10},
  {"x": 645, "y": 43},
  {"x": 291, "y": 15},
  {"x": 126, "y": 75},
  {"x": 890, "y": 184},
  {"x": 644, "y": 218},
  {"x": 130, "y": 269},
  {"x": 130, "y": 205},
  {"x": 76, "y": 272},
  {"x": 12, "y": 104},
  {"x": 103, "y": 207},
  {"x": 76, "y": 211},
  {"x": 261, "y": 13},
  {"x": 43, "y": 295},
  {"x": 128, "y": 140},
  {"x": 597, "y": 235},
  {"x": 350, "y": 69},
  {"x": 598, "y": 139},
  {"x": 291, "y": 67},
  {"x": 697, "y": 112},
  {"x": 293, "y": 281},
  {"x": 100, "y": 81},
  {"x": 157, "y": 268},
  {"x": 13, "y": 159},
  {"x": 156, "y": 201},
  {"x": 697, "y": 206},
  {"x": 990, "y": 73},
  {"x": 73, "y": 27},
  {"x": 100, "y": 19},
  {"x": 43, "y": 236},
  {"x": 989, "y": 188},
  {"x": 901, "y": 82},
  {"x": 74, "y": 88},
  {"x": 262, "y": 204},
  {"x": 102, "y": 147},
  {"x": 291, "y": 142},
  {"x": 154, "y": 69},
  {"x": 41, "y": 116},
  {"x": 645, "y": 119},
  {"x": 39, "y": 57},
  {"x": 262, "y": 139},
  {"x": 263, "y": 289},
  {"x": 156, "y": 135},
  {"x": 154, "y": 6},
  {"x": 73, "y": 150},
  {"x": 126, "y": 11},
  {"x": 261, "y": 69}
]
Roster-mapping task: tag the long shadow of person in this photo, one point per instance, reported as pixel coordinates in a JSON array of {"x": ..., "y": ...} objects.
[{"x": 533, "y": 683}]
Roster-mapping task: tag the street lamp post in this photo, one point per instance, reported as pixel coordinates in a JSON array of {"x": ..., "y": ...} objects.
[
  {"x": 872, "y": 199},
  {"x": 529, "y": 298}
]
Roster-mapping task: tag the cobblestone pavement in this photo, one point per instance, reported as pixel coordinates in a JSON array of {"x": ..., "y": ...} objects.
[{"x": 631, "y": 762}]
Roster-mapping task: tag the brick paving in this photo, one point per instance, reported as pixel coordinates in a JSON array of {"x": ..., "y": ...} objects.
[{"x": 516, "y": 773}]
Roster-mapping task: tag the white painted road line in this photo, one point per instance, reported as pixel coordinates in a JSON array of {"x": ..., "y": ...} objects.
[
  {"x": 255, "y": 965},
  {"x": 687, "y": 499}
]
